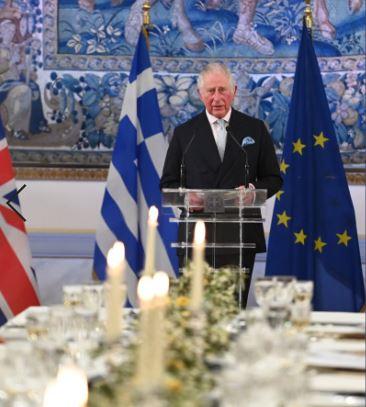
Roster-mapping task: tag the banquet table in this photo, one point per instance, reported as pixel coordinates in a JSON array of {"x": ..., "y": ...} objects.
[{"x": 335, "y": 356}]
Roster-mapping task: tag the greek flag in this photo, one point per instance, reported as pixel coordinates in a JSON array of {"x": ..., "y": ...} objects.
[{"x": 133, "y": 180}]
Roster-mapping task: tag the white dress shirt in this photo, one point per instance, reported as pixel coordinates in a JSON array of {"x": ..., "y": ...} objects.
[{"x": 215, "y": 126}]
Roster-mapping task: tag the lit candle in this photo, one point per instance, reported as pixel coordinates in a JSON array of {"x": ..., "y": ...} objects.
[
  {"x": 161, "y": 288},
  {"x": 115, "y": 291},
  {"x": 52, "y": 395},
  {"x": 69, "y": 389},
  {"x": 145, "y": 292},
  {"x": 198, "y": 265},
  {"x": 150, "y": 241}
]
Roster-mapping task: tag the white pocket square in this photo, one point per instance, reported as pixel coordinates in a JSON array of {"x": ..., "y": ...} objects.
[{"x": 247, "y": 141}]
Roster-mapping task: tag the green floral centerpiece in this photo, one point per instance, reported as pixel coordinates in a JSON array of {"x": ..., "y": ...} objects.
[{"x": 191, "y": 339}]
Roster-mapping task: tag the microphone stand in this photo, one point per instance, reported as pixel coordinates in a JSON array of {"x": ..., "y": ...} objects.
[
  {"x": 182, "y": 176},
  {"x": 246, "y": 171},
  {"x": 182, "y": 186}
]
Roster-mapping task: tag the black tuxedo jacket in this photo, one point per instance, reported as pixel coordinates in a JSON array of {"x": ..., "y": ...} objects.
[{"x": 194, "y": 142}]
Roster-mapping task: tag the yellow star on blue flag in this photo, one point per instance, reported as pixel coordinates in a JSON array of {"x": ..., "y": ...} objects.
[
  {"x": 318, "y": 241},
  {"x": 279, "y": 193},
  {"x": 283, "y": 166},
  {"x": 343, "y": 238},
  {"x": 300, "y": 237},
  {"x": 320, "y": 140},
  {"x": 283, "y": 219},
  {"x": 319, "y": 244},
  {"x": 298, "y": 146}
]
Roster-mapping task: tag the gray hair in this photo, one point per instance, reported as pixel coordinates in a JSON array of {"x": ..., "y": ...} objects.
[{"x": 215, "y": 67}]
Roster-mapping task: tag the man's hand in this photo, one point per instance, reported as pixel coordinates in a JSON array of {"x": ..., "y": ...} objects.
[
  {"x": 195, "y": 202},
  {"x": 248, "y": 194}
]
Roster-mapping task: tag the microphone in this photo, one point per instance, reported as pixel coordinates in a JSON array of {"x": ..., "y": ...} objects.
[
  {"x": 182, "y": 164},
  {"x": 246, "y": 165}
]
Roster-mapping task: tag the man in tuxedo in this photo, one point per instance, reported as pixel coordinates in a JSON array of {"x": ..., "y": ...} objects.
[{"x": 215, "y": 147}]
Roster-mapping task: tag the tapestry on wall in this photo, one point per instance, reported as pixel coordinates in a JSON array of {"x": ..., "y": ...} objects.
[{"x": 64, "y": 67}]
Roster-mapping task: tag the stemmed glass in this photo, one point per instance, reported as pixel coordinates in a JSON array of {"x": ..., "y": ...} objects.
[
  {"x": 274, "y": 295},
  {"x": 264, "y": 289},
  {"x": 301, "y": 306},
  {"x": 72, "y": 295},
  {"x": 278, "y": 311},
  {"x": 37, "y": 321},
  {"x": 86, "y": 317}
]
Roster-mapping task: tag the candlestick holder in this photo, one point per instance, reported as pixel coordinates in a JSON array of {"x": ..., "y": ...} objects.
[
  {"x": 241, "y": 285},
  {"x": 197, "y": 325},
  {"x": 152, "y": 395},
  {"x": 152, "y": 398}
]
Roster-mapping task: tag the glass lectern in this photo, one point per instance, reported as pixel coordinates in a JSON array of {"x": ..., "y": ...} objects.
[{"x": 226, "y": 213}]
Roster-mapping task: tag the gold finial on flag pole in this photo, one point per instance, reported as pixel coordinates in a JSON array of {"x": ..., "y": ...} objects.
[
  {"x": 308, "y": 16},
  {"x": 146, "y": 24}
]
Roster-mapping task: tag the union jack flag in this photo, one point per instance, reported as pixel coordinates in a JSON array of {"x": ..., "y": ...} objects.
[{"x": 17, "y": 283}]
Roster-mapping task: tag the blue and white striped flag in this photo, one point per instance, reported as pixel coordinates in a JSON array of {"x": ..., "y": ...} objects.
[{"x": 133, "y": 180}]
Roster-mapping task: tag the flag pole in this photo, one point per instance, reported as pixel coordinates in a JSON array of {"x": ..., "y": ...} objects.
[
  {"x": 308, "y": 16},
  {"x": 146, "y": 22}
]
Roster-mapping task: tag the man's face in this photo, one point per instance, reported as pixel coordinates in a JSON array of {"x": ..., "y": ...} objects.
[{"x": 216, "y": 93}]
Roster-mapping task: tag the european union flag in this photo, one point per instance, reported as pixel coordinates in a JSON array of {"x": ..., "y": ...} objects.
[{"x": 313, "y": 233}]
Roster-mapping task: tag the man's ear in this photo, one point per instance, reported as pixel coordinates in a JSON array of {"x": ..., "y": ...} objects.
[{"x": 235, "y": 89}]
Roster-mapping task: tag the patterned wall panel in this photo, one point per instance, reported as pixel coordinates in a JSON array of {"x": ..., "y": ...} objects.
[{"x": 64, "y": 67}]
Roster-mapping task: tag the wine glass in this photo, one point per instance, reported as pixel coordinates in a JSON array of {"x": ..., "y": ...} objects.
[
  {"x": 72, "y": 295},
  {"x": 301, "y": 306},
  {"x": 37, "y": 321},
  {"x": 264, "y": 289},
  {"x": 279, "y": 302}
]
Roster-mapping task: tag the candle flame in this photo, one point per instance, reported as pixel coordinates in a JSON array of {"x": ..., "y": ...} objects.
[
  {"x": 69, "y": 389},
  {"x": 161, "y": 283},
  {"x": 145, "y": 288},
  {"x": 199, "y": 232},
  {"x": 153, "y": 214},
  {"x": 52, "y": 395},
  {"x": 119, "y": 246},
  {"x": 116, "y": 255}
]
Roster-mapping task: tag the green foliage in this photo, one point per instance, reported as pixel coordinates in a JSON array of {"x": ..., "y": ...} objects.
[{"x": 191, "y": 338}]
